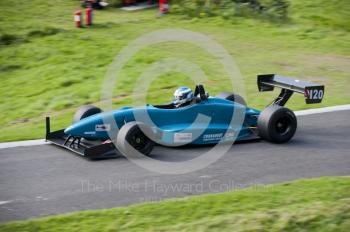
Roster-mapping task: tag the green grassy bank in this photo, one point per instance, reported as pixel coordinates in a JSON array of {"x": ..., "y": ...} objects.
[{"x": 48, "y": 67}]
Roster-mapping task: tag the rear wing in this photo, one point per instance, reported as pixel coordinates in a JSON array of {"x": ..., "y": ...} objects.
[{"x": 313, "y": 92}]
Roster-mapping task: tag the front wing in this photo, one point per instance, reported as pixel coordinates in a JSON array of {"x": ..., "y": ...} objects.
[{"x": 80, "y": 146}]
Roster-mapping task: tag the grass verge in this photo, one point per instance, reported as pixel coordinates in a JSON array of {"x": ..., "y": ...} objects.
[
  {"x": 321, "y": 204},
  {"x": 48, "y": 67}
]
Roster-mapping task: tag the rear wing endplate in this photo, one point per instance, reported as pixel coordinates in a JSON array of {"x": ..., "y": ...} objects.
[{"x": 313, "y": 93}]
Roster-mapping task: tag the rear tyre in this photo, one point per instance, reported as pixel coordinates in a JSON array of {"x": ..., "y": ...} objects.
[
  {"x": 232, "y": 97},
  {"x": 131, "y": 135},
  {"x": 277, "y": 124},
  {"x": 85, "y": 111}
]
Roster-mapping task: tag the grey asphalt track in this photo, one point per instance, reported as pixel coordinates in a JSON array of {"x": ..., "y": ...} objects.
[{"x": 43, "y": 180}]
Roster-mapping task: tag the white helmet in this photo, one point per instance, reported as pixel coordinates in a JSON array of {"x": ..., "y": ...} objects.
[{"x": 182, "y": 95}]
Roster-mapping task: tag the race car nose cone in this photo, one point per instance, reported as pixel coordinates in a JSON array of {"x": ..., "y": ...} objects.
[
  {"x": 90, "y": 127},
  {"x": 76, "y": 129},
  {"x": 69, "y": 130}
]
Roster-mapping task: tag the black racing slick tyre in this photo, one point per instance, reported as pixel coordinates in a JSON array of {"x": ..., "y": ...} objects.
[
  {"x": 135, "y": 137},
  {"x": 85, "y": 111},
  {"x": 232, "y": 97},
  {"x": 277, "y": 124}
]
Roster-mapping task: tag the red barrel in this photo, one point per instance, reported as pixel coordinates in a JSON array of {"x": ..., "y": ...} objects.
[
  {"x": 163, "y": 6},
  {"x": 88, "y": 14},
  {"x": 78, "y": 18}
]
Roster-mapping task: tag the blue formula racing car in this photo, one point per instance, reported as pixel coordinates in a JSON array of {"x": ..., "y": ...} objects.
[{"x": 225, "y": 118}]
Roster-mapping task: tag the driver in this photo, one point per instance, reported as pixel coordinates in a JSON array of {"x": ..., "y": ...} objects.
[{"x": 183, "y": 96}]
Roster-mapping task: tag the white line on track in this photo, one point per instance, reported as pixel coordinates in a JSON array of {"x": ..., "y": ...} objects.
[
  {"x": 297, "y": 113},
  {"x": 26, "y": 143},
  {"x": 322, "y": 110},
  {"x": 4, "y": 202}
]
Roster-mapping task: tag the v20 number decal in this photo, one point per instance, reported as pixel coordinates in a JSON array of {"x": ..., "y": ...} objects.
[{"x": 314, "y": 95}]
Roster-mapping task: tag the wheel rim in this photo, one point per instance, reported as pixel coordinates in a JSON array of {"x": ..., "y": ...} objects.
[
  {"x": 283, "y": 125},
  {"x": 138, "y": 140}
]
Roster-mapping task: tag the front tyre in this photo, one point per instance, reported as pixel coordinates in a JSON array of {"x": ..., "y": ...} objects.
[
  {"x": 131, "y": 135},
  {"x": 277, "y": 124},
  {"x": 85, "y": 111}
]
